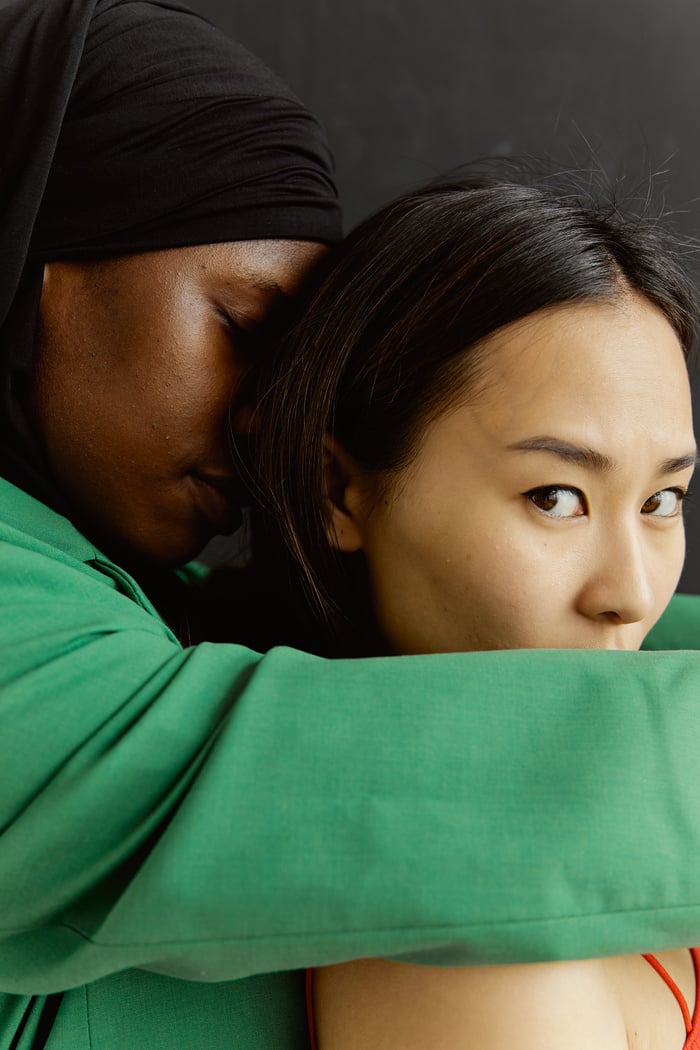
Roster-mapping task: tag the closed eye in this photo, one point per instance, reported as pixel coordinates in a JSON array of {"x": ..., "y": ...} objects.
[
  {"x": 235, "y": 325},
  {"x": 245, "y": 335}
]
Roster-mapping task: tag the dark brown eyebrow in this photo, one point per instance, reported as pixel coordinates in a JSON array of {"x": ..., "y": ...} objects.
[
  {"x": 591, "y": 458},
  {"x": 672, "y": 466},
  {"x": 267, "y": 285},
  {"x": 259, "y": 281}
]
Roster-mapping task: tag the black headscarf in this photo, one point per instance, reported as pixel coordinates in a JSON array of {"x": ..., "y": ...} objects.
[{"x": 133, "y": 125}]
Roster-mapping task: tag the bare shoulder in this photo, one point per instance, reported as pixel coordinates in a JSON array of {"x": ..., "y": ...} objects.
[{"x": 543, "y": 1006}]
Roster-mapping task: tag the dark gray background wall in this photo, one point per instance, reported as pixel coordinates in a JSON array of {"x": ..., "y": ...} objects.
[{"x": 408, "y": 89}]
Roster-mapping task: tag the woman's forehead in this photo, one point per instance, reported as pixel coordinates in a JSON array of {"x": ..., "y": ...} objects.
[{"x": 601, "y": 375}]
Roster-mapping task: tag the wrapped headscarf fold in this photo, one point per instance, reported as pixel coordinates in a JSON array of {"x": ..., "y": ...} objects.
[{"x": 133, "y": 125}]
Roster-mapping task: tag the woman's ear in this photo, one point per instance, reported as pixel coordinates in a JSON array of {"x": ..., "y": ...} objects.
[{"x": 347, "y": 496}]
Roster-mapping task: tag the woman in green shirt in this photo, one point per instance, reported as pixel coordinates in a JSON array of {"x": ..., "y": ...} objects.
[{"x": 184, "y": 826}]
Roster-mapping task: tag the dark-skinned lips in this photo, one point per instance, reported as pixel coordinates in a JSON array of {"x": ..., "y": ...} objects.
[{"x": 220, "y": 498}]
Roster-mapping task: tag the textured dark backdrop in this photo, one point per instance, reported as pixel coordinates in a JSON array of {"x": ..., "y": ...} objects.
[{"x": 408, "y": 89}]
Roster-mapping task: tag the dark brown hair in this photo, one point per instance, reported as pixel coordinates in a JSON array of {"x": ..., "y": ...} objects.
[{"x": 393, "y": 337}]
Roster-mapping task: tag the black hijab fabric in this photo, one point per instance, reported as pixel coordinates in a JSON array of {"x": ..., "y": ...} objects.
[{"x": 133, "y": 125}]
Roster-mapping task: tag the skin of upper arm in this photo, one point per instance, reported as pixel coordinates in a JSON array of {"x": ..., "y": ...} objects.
[{"x": 373, "y": 1003}]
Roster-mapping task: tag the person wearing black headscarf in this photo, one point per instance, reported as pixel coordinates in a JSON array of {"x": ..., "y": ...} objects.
[
  {"x": 196, "y": 142},
  {"x": 178, "y": 821}
]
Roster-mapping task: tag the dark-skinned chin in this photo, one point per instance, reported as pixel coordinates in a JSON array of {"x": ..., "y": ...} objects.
[{"x": 154, "y": 571}]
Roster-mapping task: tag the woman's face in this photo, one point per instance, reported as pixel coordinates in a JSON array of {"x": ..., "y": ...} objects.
[
  {"x": 137, "y": 360},
  {"x": 547, "y": 512}
]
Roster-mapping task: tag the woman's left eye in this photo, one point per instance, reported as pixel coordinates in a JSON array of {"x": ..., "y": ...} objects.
[
  {"x": 233, "y": 325},
  {"x": 664, "y": 504},
  {"x": 557, "y": 501},
  {"x": 243, "y": 335}
]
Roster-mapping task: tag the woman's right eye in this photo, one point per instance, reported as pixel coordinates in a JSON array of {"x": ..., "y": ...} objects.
[{"x": 557, "y": 501}]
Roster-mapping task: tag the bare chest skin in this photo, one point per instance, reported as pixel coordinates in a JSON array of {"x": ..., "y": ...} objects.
[
  {"x": 652, "y": 1016},
  {"x": 610, "y": 1004}
]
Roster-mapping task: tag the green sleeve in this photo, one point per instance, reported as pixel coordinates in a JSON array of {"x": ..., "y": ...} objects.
[
  {"x": 209, "y": 813},
  {"x": 679, "y": 627}
]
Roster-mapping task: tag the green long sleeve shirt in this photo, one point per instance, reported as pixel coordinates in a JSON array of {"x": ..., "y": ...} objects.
[{"x": 176, "y": 821}]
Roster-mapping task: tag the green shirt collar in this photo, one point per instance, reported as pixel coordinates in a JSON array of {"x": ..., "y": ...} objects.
[{"x": 31, "y": 517}]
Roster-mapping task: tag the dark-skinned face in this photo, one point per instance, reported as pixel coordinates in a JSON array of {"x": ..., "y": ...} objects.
[{"x": 137, "y": 361}]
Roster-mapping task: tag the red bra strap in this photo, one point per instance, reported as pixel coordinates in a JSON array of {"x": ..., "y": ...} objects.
[{"x": 666, "y": 977}]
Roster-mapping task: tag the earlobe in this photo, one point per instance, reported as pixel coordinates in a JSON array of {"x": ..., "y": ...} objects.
[{"x": 346, "y": 497}]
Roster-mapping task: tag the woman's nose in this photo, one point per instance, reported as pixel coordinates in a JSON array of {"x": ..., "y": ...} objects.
[{"x": 618, "y": 586}]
